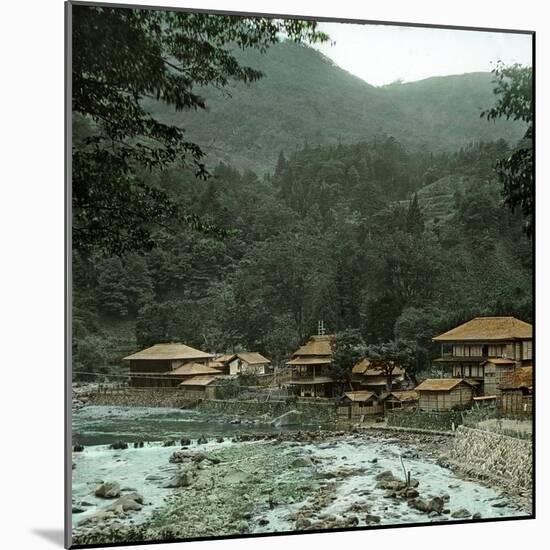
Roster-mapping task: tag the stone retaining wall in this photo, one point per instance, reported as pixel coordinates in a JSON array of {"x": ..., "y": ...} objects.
[
  {"x": 312, "y": 412},
  {"x": 425, "y": 420},
  {"x": 493, "y": 456},
  {"x": 140, "y": 398}
]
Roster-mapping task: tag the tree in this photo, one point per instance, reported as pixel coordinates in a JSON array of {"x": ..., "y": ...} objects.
[
  {"x": 390, "y": 355},
  {"x": 514, "y": 88},
  {"x": 347, "y": 349},
  {"x": 122, "y": 57}
]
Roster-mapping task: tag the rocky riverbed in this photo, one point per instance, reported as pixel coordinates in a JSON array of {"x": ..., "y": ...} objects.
[{"x": 269, "y": 482}]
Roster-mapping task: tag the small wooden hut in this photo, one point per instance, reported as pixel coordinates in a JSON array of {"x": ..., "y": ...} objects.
[
  {"x": 444, "y": 394},
  {"x": 362, "y": 403},
  {"x": 495, "y": 372},
  {"x": 517, "y": 391},
  {"x": 405, "y": 399}
]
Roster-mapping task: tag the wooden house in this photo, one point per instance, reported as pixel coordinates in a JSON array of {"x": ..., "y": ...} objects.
[
  {"x": 368, "y": 376},
  {"x": 405, "y": 399},
  {"x": 359, "y": 404},
  {"x": 484, "y": 349},
  {"x": 199, "y": 387},
  {"x": 181, "y": 375},
  {"x": 516, "y": 389},
  {"x": 244, "y": 363},
  {"x": 310, "y": 366},
  {"x": 444, "y": 394},
  {"x": 149, "y": 366}
]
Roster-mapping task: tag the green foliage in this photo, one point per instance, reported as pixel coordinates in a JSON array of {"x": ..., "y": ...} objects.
[
  {"x": 387, "y": 356},
  {"x": 122, "y": 56},
  {"x": 347, "y": 349},
  {"x": 514, "y": 90}
]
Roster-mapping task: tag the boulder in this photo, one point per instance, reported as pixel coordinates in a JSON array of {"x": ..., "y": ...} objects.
[
  {"x": 477, "y": 515},
  {"x": 302, "y": 522},
  {"x": 219, "y": 439},
  {"x": 108, "y": 490},
  {"x": 126, "y": 503},
  {"x": 500, "y": 504},
  {"x": 302, "y": 462},
  {"x": 263, "y": 521},
  {"x": 185, "y": 442},
  {"x": 436, "y": 504},
  {"x": 371, "y": 518},
  {"x": 182, "y": 479},
  {"x": 411, "y": 493},
  {"x": 202, "y": 440},
  {"x": 461, "y": 513},
  {"x": 154, "y": 477},
  {"x": 118, "y": 445},
  {"x": 386, "y": 475},
  {"x": 78, "y": 448}
]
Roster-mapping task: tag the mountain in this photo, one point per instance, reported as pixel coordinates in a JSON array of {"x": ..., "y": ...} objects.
[{"x": 304, "y": 98}]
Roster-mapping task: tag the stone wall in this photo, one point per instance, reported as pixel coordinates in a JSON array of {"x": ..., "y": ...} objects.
[
  {"x": 425, "y": 420},
  {"x": 493, "y": 456},
  {"x": 132, "y": 397},
  {"x": 312, "y": 412}
]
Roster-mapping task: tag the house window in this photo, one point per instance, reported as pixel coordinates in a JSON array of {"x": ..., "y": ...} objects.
[{"x": 527, "y": 350}]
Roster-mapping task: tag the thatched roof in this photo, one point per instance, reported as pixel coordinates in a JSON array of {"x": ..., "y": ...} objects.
[
  {"x": 316, "y": 345},
  {"x": 440, "y": 384},
  {"x": 169, "y": 352},
  {"x": 198, "y": 381},
  {"x": 250, "y": 357},
  {"x": 366, "y": 368},
  {"x": 404, "y": 395},
  {"x": 499, "y": 361},
  {"x": 359, "y": 396},
  {"x": 520, "y": 378},
  {"x": 192, "y": 369},
  {"x": 488, "y": 328},
  {"x": 309, "y": 361},
  {"x": 225, "y": 358}
]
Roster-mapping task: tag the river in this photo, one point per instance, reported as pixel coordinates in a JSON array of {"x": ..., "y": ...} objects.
[{"x": 335, "y": 483}]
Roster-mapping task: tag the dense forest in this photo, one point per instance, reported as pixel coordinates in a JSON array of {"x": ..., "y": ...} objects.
[
  {"x": 376, "y": 210},
  {"x": 364, "y": 236}
]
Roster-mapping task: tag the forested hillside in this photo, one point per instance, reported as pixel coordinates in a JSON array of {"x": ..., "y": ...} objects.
[
  {"x": 305, "y": 99},
  {"x": 368, "y": 236}
]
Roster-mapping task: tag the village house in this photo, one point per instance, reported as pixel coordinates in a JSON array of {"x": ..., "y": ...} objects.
[
  {"x": 517, "y": 392},
  {"x": 358, "y": 404},
  {"x": 244, "y": 363},
  {"x": 158, "y": 365},
  {"x": 404, "y": 399},
  {"x": 310, "y": 365},
  {"x": 367, "y": 376},
  {"x": 444, "y": 394},
  {"x": 484, "y": 350}
]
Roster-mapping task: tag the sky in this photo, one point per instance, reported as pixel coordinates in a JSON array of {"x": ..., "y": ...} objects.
[{"x": 381, "y": 54}]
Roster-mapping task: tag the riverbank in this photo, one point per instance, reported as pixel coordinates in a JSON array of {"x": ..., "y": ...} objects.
[{"x": 292, "y": 481}]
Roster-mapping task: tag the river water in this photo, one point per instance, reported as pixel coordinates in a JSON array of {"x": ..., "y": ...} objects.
[{"x": 96, "y": 427}]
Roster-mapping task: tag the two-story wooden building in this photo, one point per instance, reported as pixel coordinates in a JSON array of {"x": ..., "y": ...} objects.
[
  {"x": 483, "y": 350},
  {"x": 158, "y": 365},
  {"x": 310, "y": 365}
]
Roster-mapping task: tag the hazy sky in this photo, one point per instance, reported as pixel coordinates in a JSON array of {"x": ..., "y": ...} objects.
[{"x": 381, "y": 54}]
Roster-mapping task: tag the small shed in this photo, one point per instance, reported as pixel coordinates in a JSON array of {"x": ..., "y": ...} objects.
[
  {"x": 496, "y": 369},
  {"x": 444, "y": 394},
  {"x": 517, "y": 391},
  {"x": 405, "y": 399},
  {"x": 198, "y": 387},
  {"x": 361, "y": 403},
  {"x": 246, "y": 362}
]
